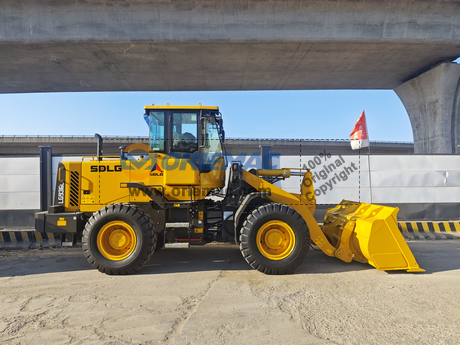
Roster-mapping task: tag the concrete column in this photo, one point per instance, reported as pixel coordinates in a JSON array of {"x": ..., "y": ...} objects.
[
  {"x": 46, "y": 183},
  {"x": 432, "y": 101}
]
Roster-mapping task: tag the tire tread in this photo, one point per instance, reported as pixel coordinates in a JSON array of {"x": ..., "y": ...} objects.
[
  {"x": 248, "y": 247},
  {"x": 127, "y": 211}
]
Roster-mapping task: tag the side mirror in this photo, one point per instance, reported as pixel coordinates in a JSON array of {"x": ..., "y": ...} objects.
[{"x": 223, "y": 136}]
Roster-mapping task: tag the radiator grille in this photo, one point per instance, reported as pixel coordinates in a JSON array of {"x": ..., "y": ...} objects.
[{"x": 74, "y": 188}]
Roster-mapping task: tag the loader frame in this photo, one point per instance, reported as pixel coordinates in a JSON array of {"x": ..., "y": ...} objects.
[{"x": 124, "y": 209}]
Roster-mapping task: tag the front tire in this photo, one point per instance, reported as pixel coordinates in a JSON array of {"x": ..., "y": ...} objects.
[
  {"x": 274, "y": 239},
  {"x": 119, "y": 239}
]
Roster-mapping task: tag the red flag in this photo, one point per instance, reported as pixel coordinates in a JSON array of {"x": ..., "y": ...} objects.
[{"x": 358, "y": 137}]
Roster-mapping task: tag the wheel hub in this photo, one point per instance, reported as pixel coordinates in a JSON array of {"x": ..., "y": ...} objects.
[
  {"x": 116, "y": 240},
  {"x": 275, "y": 240},
  {"x": 119, "y": 239}
]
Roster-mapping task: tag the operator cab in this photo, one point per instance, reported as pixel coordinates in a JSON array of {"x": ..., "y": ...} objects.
[{"x": 193, "y": 132}]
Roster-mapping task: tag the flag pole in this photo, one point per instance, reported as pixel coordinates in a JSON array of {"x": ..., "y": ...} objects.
[
  {"x": 359, "y": 167},
  {"x": 357, "y": 136},
  {"x": 369, "y": 168}
]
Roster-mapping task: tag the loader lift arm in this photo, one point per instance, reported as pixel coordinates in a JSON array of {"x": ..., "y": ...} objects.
[{"x": 362, "y": 232}]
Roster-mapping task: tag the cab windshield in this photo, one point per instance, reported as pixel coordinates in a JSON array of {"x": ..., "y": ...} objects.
[
  {"x": 184, "y": 132},
  {"x": 189, "y": 134}
]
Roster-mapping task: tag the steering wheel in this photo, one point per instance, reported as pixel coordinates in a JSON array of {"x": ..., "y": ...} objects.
[{"x": 184, "y": 141}]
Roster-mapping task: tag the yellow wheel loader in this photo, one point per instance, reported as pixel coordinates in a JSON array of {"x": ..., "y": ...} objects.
[{"x": 179, "y": 192}]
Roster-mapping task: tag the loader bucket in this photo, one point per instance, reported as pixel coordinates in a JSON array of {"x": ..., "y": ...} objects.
[{"x": 368, "y": 233}]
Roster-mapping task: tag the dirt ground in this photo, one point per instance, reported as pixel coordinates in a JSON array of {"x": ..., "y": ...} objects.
[{"x": 209, "y": 295}]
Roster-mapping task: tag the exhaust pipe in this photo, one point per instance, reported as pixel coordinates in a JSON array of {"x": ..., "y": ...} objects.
[{"x": 100, "y": 150}]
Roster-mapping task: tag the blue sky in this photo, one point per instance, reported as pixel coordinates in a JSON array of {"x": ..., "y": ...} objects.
[{"x": 327, "y": 114}]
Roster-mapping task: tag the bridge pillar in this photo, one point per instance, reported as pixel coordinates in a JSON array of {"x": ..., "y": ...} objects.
[{"x": 432, "y": 101}]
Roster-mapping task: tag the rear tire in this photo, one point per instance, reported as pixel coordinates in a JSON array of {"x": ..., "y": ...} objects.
[
  {"x": 274, "y": 239},
  {"x": 119, "y": 239}
]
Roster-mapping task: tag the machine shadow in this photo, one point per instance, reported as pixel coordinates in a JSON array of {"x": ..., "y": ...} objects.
[
  {"x": 228, "y": 257},
  {"x": 211, "y": 257},
  {"x": 433, "y": 256}
]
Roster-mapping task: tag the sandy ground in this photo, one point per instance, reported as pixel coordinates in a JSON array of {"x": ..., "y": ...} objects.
[{"x": 209, "y": 295}]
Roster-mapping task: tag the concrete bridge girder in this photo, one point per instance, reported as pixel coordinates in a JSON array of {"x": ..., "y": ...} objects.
[
  {"x": 183, "y": 66},
  {"x": 144, "y": 45},
  {"x": 432, "y": 101}
]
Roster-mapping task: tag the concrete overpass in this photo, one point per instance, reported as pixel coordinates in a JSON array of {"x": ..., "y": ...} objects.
[{"x": 137, "y": 45}]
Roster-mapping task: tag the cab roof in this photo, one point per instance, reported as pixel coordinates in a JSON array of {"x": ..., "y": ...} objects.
[{"x": 182, "y": 107}]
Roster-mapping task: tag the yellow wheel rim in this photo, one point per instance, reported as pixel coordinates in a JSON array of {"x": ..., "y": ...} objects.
[
  {"x": 116, "y": 240},
  {"x": 275, "y": 240}
]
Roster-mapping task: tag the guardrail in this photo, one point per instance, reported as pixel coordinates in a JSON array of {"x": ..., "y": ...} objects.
[{"x": 229, "y": 138}]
